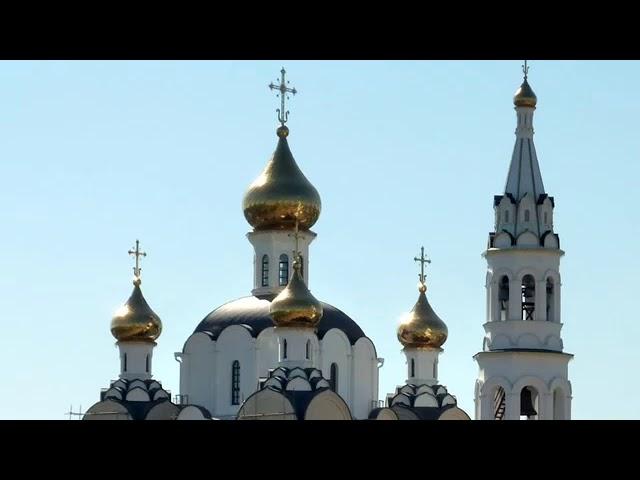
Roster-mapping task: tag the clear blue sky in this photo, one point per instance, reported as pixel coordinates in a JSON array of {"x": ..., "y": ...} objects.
[{"x": 96, "y": 154}]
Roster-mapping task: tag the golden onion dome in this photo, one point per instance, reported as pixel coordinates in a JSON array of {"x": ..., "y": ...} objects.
[
  {"x": 135, "y": 321},
  {"x": 524, "y": 96},
  {"x": 422, "y": 328},
  {"x": 294, "y": 306},
  {"x": 281, "y": 193}
]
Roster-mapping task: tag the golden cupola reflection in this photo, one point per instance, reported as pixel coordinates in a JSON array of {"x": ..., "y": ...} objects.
[
  {"x": 422, "y": 328},
  {"x": 281, "y": 194},
  {"x": 295, "y": 306},
  {"x": 135, "y": 321}
]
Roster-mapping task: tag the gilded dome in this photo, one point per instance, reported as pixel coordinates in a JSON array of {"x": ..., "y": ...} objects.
[
  {"x": 281, "y": 193},
  {"x": 422, "y": 328},
  {"x": 524, "y": 96},
  {"x": 135, "y": 321},
  {"x": 294, "y": 306}
]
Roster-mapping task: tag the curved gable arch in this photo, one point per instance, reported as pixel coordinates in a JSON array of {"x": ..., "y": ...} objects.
[
  {"x": 530, "y": 381},
  {"x": 488, "y": 386}
]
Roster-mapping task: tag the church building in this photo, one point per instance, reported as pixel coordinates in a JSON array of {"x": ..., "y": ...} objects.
[{"x": 279, "y": 353}]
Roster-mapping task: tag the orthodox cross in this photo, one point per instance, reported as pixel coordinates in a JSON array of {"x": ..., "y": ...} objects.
[
  {"x": 296, "y": 235},
  {"x": 422, "y": 261},
  {"x": 525, "y": 70},
  {"x": 283, "y": 115},
  {"x": 137, "y": 253}
]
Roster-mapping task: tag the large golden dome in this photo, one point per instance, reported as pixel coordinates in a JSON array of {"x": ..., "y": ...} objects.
[
  {"x": 295, "y": 306},
  {"x": 524, "y": 96},
  {"x": 135, "y": 321},
  {"x": 422, "y": 328},
  {"x": 281, "y": 193}
]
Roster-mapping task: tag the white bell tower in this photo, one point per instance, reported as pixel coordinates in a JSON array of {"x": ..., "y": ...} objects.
[{"x": 523, "y": 371}]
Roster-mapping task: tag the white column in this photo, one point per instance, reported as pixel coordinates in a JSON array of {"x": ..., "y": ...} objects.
[
  {"x": 425, "y": 361},
  {"x": 135, "y": 359},
  {"x": 296, "y": 347},
  {"x": 512, "y": 407}
]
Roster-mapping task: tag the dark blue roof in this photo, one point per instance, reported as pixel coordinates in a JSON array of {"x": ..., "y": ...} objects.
[{"x": 253, "y": 313}]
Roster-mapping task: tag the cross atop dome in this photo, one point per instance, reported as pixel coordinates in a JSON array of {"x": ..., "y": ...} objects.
[{"x": 283, "y": 115}]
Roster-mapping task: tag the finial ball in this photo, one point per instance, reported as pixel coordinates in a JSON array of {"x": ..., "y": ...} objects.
[
  {"x": 283, "y": 131},
  {"x": 422, "y": 287}
]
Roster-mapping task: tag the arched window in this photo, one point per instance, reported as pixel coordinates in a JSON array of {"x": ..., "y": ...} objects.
[
  {"x": 147, "y": 364},
  {"x": 300, "y": 257},
  {"x": 125, "y": 363},
  {"x": 333, "y": 377},
  {"x": 506, "y": 216},
  {"x": 308, "y": 349},
  {"x": 503, "y": 298},
  {"x": 550, "y": 300},
  {"x": 265, "y": 270},
  {"x": 283, "y": 270},
  {"x": 235, "y": 383},
  {"x": 284, "y": 348},
  {"x": 528, "y": 297},
  {"x": 412, "y": 373},
  {"x": 526, "y": 215},
  {"x": 499, "y": 404}
]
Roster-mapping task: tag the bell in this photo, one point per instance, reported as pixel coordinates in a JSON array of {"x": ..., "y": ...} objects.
[{"x": 526, "y": 403}]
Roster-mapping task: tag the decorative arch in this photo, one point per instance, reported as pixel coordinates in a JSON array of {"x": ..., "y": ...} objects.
[
  {"x": 530, "y": 381},
  {"x": 527, "y": 239}
]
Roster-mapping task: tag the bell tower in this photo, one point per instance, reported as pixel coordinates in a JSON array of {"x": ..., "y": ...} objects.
[{"x": 523, "y": 370}]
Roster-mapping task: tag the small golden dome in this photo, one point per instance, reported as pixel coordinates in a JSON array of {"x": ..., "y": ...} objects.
[
  {"x": 422, "y": 328},
  {"x": 524, "y": 96},
  {"x": 135, "y": 321},
  {"x": 281, "y": 193},
  {"x": 295, "y": 306}
]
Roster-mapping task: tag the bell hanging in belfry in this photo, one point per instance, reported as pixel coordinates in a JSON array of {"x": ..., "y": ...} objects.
[{"x": 526, "y": 403}]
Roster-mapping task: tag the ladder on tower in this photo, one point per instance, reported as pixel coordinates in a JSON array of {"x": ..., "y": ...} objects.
[{"x": 499, "y": 404}]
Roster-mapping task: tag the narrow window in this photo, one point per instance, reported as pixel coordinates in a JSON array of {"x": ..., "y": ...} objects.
[
  {"x": 528, "y": 297},
  {"x": 506, "y": 216},
  {"x": 413, "y": 368},
  {"x": 265, "y": 270},
  {"x": 550, "y": 300},
  {"x": 283, "y": 270},
  {"x": 125, "y": 362},
  {"x": 499, "y": 404},
  {"x": 308, "y": 349},
  {"x": 333, "y": 377},
  {"x": 503, "y": 298},
  {"x": 147, "y": 364},
  {"x": 526, "y": 215},
  {"x": 301, "y": 265},
  {"x": 284, "y": 348},
  {"x": 235, "y": 383}
]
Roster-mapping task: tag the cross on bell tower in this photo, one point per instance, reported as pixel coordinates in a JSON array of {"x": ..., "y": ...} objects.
[
  {"x": 283, "y": 115},
  {"x": 137, "y": 253},
  {"x": 422, "y": 259}
]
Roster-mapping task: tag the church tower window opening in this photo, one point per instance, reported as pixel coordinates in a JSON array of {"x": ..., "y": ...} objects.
[
  {"x": 528, "y": 403},
  {"x": 301, "y": 259},
  {"x": 333, "y": 377},
  {"x": 283, "y": 270},
  {"x": 265, "y": 270},
  {"x": 528, "y": 297},
  {"x": 125, "y": 363},
  {"x": 499, "y": 404},
  {"x": 147, "y": 364},
  {"x": 235, "y": 383},
  {"x": 284, "y": 348},
  {"x": 308, "y": 349},
  {"x": 412, "y": 372},
  {"x": 550, "y": 300},
  {"x": 503, "y": 298}
]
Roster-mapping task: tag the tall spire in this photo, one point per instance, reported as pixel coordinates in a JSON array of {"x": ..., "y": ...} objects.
[{"x": 524, "y": 175}]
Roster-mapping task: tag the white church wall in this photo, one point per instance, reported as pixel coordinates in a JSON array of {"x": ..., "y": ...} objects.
[
  {"x": 197, "y": 370},
  {"x": 234, "y": 343},
  {"x": 365, "y": 381},
  {"x": 266, "y": 352},
  {"x": 336, "y": 348}
]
